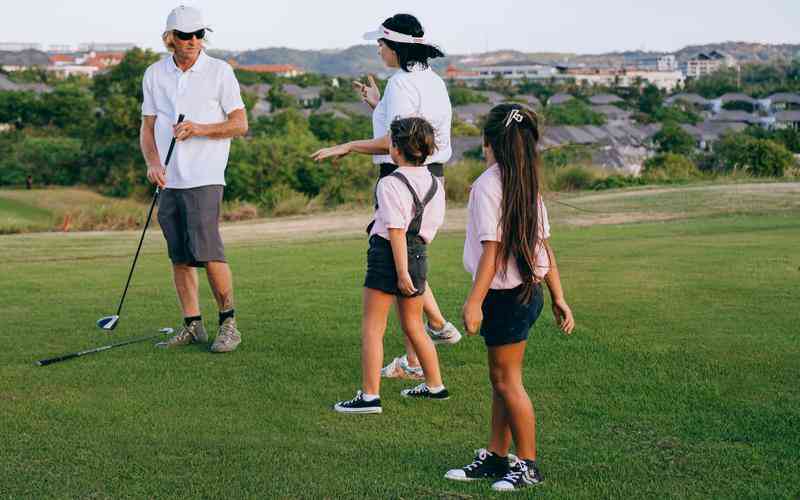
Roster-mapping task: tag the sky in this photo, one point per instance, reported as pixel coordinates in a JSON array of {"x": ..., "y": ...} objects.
[{"x": 460, "y": 27}]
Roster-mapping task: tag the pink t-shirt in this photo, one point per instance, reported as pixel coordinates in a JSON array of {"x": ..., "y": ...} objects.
[
  {"x": 396, "y": 205},
  {"x": 484, "y": 225}
]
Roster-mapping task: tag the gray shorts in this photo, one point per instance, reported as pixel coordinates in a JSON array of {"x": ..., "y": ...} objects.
[{"x": 189, "y": 219}]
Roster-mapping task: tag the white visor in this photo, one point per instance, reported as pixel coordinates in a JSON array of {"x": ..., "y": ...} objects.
[{"x": 384, "y": 32}]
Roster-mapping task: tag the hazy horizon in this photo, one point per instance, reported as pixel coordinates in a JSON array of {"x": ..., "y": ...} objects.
[{"x": 572, "y": 26}]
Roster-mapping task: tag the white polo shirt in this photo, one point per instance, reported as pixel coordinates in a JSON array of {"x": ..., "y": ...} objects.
[
  {"x": 207, "y": 93},
  {"x": 421, "y": 93}
]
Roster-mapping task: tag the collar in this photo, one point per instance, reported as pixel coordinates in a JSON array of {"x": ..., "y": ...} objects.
[{"x": 199, "y": 65}]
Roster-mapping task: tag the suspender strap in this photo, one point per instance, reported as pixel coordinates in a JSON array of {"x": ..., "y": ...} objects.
[{"x": 419, "y": 206}]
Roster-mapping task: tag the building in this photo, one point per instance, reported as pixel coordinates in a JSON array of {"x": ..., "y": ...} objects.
[
  {"x": 285, "y": 70},
  {"x": 472, "y": 113},
  {"x": 557, "y": 99},
  {"x": 666, "y": 62},
  {"x": 308, "y": 97},
  {"x": 19, "y": 46},
  {"x": 59, "y": 49},
  {"x": 105, "y": 47},
  {"x": 707, "y": 63},
  {"x": 610, "y": 76},
  {"x": 513, "y": 71},
  {"x": 604, "y": 99}
]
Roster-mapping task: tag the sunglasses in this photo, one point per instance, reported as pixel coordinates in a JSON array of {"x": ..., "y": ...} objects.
[{"x": 199, "y": 34}]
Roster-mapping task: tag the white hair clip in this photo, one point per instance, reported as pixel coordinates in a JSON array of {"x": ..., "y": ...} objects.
[{"x": 514, "y": 115}]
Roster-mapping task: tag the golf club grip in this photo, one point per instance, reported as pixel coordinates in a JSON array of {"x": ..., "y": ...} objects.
[
  {"x": 172, "y": 143},
  {"x": 50, "y": 361}
]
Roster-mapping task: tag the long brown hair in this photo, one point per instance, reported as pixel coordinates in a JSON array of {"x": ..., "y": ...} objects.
[{"x": 512, "y": 130}]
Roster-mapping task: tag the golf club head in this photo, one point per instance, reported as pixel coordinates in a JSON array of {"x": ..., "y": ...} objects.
[
  {"x": 166, "y": 331},
  {"x": 108, "y": 323}
]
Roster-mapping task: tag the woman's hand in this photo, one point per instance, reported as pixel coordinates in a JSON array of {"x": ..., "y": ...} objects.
[
  {"x": 563, "y": 316},
  {"x": 334, "y": 153},
  {"x": 405, "y": 285},
  {"x": 472, "y": 314},
  {"x": 370, "y": 94}
]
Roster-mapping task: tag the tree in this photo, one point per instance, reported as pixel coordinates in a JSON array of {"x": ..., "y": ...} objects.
[
  {"x": 573, "y": 112},
  {"x": 673, "y": 139},
  {"x": 650, "y": 100},
  {"x": 758, "y": 157},
  {"x": 463, "y": 95},
  {"x": 280, "y": 99}
]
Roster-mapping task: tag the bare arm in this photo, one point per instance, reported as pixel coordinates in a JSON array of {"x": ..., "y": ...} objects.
[
  {"x": 487, "y": 267},
  {"x": 397, "y": 238},
  {"x": 561, "y": 310},
  {"x": 235, "y": 125},
  {"x": 379, "y": 146},
  {"x": 147, "y": 143}
]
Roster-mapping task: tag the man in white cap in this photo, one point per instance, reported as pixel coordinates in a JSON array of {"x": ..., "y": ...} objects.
[{"x": 205, "y": 90}]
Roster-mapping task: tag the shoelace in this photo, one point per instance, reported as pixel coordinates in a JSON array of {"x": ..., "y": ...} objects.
[
  {"x": 354, "y": 400},
  {"x": 480, "y": 457},
  {"x": 228, "y": 330},
  {"x": 420, "y": 389},
  {"x": 184, "y": 333},
  {"x": 517, "y": 470}
]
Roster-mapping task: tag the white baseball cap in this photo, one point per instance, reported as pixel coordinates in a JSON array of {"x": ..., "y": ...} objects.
[{"x": 186, "y": 19}]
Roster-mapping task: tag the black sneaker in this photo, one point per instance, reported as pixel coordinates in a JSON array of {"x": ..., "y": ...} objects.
[
  {"x": 485, "y": 466},
  {"x": 523, "y": 473},
  {"x": 358, "y": 405},
  {"x": 423, "y": 392}
]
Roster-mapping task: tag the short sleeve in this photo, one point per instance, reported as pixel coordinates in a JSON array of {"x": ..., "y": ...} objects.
[
  {"x": 400, "y": 101},
  {"x": 231, "y": 98},
  {"x": 544, "y": 226},
  {"x": 149, "y": 101},
  {"x": 485, "y": 211},
  {"x": 390, "y": 204}
]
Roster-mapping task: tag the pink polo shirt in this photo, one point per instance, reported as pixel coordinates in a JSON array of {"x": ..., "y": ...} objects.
[
  {"x": 396, "y": 205},
  {"x": 484, "y": 225}
]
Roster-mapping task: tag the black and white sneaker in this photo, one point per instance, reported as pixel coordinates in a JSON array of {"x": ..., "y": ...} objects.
[
  {"x": 523, "y": 473},
  {"x": 359, "y": 405},
  {"x": 422, "y": 391},
  {"x": 486, "y": 465}
]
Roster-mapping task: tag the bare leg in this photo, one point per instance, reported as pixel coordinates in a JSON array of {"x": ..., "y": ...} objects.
[
  {"x": 431, "y": 308},
  {"x": 373, "y": 326},
  {"x": 410, "y": 309},
  {"x": 505, "y": 372},
  {"x": 186, "y": 286},
  {"x": 435, "y": 320},
  {"x": 221, "y": 281}
]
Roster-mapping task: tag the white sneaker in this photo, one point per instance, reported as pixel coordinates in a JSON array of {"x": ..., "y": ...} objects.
[
  {"x": 399, "y": 368},
  {"x": 449, "y": 334}
]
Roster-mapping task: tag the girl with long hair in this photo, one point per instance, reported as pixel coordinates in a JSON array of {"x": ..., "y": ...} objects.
[{"x": 507, "y": 251}]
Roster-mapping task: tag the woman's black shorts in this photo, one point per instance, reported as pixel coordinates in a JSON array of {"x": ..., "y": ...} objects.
[
  {"x": 381, "y": 272},
  {"x": 505, "y": 320}
]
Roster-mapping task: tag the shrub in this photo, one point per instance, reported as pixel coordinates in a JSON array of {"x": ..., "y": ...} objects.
[
  {"x": 669, "y": 167},
  {"x": 572, "y": 178}
]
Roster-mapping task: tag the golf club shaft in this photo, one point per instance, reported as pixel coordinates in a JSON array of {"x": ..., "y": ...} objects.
[
  {"x": 146, "y": 224},
  {"x": 50, "y": 361}
]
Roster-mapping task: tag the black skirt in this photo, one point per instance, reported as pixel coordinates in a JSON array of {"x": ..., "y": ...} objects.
[{"x": 381, "y": 272}]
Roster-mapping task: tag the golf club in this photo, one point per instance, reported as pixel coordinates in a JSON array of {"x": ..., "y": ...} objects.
[
  {"x": 50, "y": 361},
  {"x": 110, "y": 322}
]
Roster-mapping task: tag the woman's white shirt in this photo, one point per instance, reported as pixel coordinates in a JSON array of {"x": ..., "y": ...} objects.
[{"x": 421, "y": 93}]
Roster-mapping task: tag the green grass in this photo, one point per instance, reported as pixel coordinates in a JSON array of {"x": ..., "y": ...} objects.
[
  {"x": 16, "y": 217},
  {"x": 679, "y": 382}
]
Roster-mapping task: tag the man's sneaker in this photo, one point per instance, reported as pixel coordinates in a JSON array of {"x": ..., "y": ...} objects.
[
  {"x": 486, "y": 465},
  {"x": 449, "y": 334},
  {"x": 359, "y": 405},
  {"x": 523, "y": 473},
  {"x": 194, "y": 332},
  {"x": 423, "y": 392},
  {"x": 399, "y": 368},
  {"x": 228, "y": 337}
]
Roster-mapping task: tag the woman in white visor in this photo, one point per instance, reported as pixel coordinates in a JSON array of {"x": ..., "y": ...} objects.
[{"x": 414, "y": 90}]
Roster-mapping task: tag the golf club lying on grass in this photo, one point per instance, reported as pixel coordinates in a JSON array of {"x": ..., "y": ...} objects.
[
  {"x": 50, "y": 361},
  {"x": 110, "y": 322}
]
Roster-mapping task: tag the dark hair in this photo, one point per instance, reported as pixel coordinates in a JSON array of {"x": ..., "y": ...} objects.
[
  {"x": 512, "y": 130},
  {"x": 409, "y": 54},
  {"x": 415, "y": 138}
]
